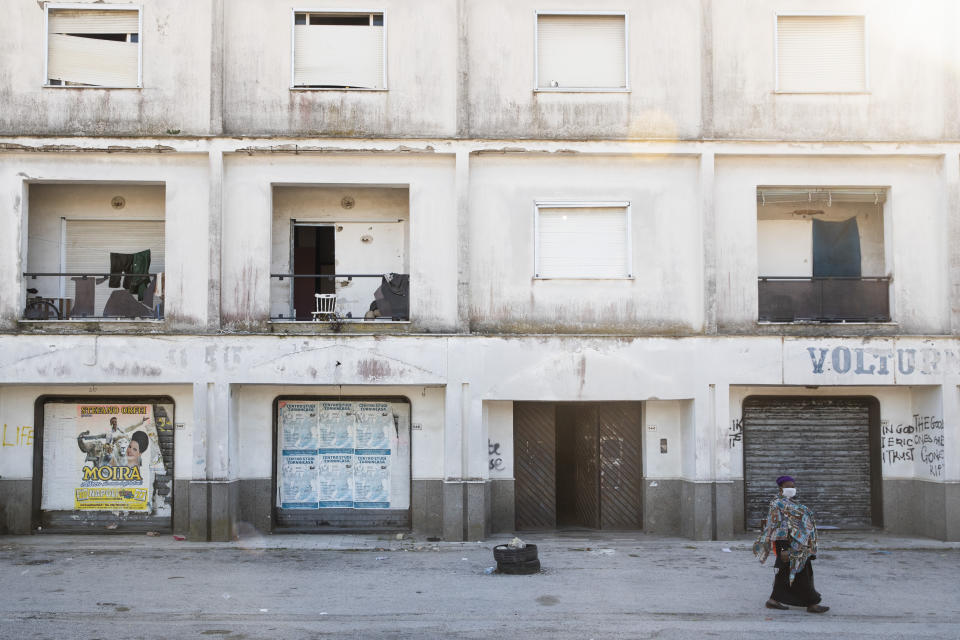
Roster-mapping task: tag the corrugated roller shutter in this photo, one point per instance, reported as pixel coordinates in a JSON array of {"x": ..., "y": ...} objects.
[
  {"x": 91, "y": 61},
  {"x": 338, "y": 56},
  {"x": 582, "y": 243},
  {"x": 93, "y": 21},
  {"x": 586, "y": 52},
  {"x": 89, "y": 244},
  {"x": 821, "y": 53},
  {"x": 824, "y": 443}
]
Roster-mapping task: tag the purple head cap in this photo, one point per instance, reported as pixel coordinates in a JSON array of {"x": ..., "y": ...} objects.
[{"x": 783, "y": 479}]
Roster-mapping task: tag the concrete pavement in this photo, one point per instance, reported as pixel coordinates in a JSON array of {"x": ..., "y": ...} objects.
[{"x": 594, "y": 585}]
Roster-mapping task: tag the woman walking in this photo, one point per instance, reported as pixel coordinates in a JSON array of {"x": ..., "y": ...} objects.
[{"x": 790, "y": 532}]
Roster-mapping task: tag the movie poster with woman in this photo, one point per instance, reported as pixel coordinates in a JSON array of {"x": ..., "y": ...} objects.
[{"x": 100, "y": 457}]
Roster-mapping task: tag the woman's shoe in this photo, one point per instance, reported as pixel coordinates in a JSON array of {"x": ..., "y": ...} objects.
[
  {"x": 773, "y": 604},
  {"x": 816, "y": 608}
]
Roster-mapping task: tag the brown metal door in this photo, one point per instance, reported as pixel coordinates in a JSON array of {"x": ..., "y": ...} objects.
[
  {"x": 620, "y": 468},
  {"x": 586, "y": 501},
  {"x": 535, "y": 445}
]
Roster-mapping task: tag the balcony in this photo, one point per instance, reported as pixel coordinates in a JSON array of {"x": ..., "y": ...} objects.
[
  {"x": 838, "y": 299},
  {"x": 338, "y": 298},
  {"x": 93, "y": 296}
]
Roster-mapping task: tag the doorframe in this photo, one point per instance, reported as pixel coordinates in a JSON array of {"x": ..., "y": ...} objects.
[{"x": 294, "y": 223}]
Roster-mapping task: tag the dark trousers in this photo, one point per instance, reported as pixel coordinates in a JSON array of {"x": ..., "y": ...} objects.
[{"x": 801, "y": 593}]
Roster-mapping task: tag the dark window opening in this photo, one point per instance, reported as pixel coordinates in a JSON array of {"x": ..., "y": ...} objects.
[
  {"x": 115, "y": 37},
  {"x": 314, "y": 250}
]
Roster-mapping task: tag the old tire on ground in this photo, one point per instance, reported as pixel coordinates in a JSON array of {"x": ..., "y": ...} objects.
[
  {"x": 519, "y": 568},
  {"x": 503, "y": 553}
]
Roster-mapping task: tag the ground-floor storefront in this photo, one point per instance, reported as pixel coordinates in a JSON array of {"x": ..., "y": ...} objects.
[{"x": 459, "y": 437}]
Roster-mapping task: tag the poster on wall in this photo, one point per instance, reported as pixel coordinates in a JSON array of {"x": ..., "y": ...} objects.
[
  {"x": 336, "y": 428},
  {"x": 299, "y": 472},
  {"x": 298, "y": 425},
  {"x": 372, "y": 481},
  {"x": 335, "y": 480},
  {"x": 353, "y": 464},
  {"x": 102, "y": 457}
]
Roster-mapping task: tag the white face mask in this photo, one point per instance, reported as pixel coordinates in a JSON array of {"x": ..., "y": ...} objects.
[{"x": 789, "y": 492}]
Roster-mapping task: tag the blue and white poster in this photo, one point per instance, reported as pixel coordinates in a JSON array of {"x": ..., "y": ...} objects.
[
  {"x": 335, "y": 483},
  {"x": 375, "y": 427},
  {"x": 298, "y": 479},
  {"x": 372, "y": 481},
  {"x": 343, "y": 454},
  {"x": 298, "y": 425},
  {"x": 336, "y": 425}
]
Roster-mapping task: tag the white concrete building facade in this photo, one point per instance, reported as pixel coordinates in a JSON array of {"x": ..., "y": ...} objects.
[{"x": 610, "y": 265}]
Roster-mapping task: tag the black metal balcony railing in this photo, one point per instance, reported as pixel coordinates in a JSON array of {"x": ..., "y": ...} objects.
[
  {"x": 359, "y": 296},
  {"x": 93, "y": 296},
  {"x": 824, "y": 299}
]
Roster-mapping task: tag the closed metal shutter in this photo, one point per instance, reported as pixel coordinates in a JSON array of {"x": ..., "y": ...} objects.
[
  {"x": 535, "y": 450},
  {"x": 583, "y": 242},
  {"x": 821, "y": 54},
  {"x": 824, "y": 443},
  {"x": 582, "y": 52}
]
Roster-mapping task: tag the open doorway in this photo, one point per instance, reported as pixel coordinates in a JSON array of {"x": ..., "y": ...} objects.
[{"x": 313, "y": 253}]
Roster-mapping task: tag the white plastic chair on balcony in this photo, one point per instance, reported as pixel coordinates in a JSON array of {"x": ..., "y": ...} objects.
[{"x": 326, "y": 307}]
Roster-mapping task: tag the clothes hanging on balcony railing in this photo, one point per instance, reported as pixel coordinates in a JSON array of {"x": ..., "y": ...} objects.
[
  {"x": 392, "y": 298},
  {"x": 836, "y": 249},
  {"x": 131, "y": 264}
]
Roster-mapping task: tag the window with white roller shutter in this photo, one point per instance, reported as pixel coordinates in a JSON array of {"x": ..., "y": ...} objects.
[
  {"x": 583, "y": 240},
  {"x": 89, "y": 243},
  {"x": 821, "y": 54},
  {"x": 581, "y": 52},
  {"x": 93, "y": 47},
  {"x": 338, "y": 51}
]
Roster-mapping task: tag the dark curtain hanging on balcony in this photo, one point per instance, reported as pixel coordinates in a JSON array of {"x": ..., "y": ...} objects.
[{"x": 836, "y": 249}]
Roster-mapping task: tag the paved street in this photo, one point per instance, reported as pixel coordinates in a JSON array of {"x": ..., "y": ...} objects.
[{"x": 592, "y": 586}]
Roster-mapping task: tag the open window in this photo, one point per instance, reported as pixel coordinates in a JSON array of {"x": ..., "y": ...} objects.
[
  {"x": 821, "y": 254},
  {"x": 340, "y": 50},
  {"x": 93, "y": 47},
  {"x": 95, "y": 252},
  {"x": 340, "y": 254},
  {"x": 581, "y": 52}
]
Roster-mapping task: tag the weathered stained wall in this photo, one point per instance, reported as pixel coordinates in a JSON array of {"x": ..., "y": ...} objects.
[
  {"x": 664, "y": 47},
  {"x": 420, "y": 101},
  {"x": 176, "y": 93},
  {"x": 17, "y": 425},
  {"x": 665, "y": 294},
  {"x": 912, "y": 75}
]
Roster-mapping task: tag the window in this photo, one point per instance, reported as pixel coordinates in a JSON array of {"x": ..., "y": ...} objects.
[
  {"x": 338, "y": 51},
  {"x": 93, "y": 47},
  {"x": 821, "y": 54},
  {"x": 581, "y": 52},
  {"x": 582, "y": 240}
]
